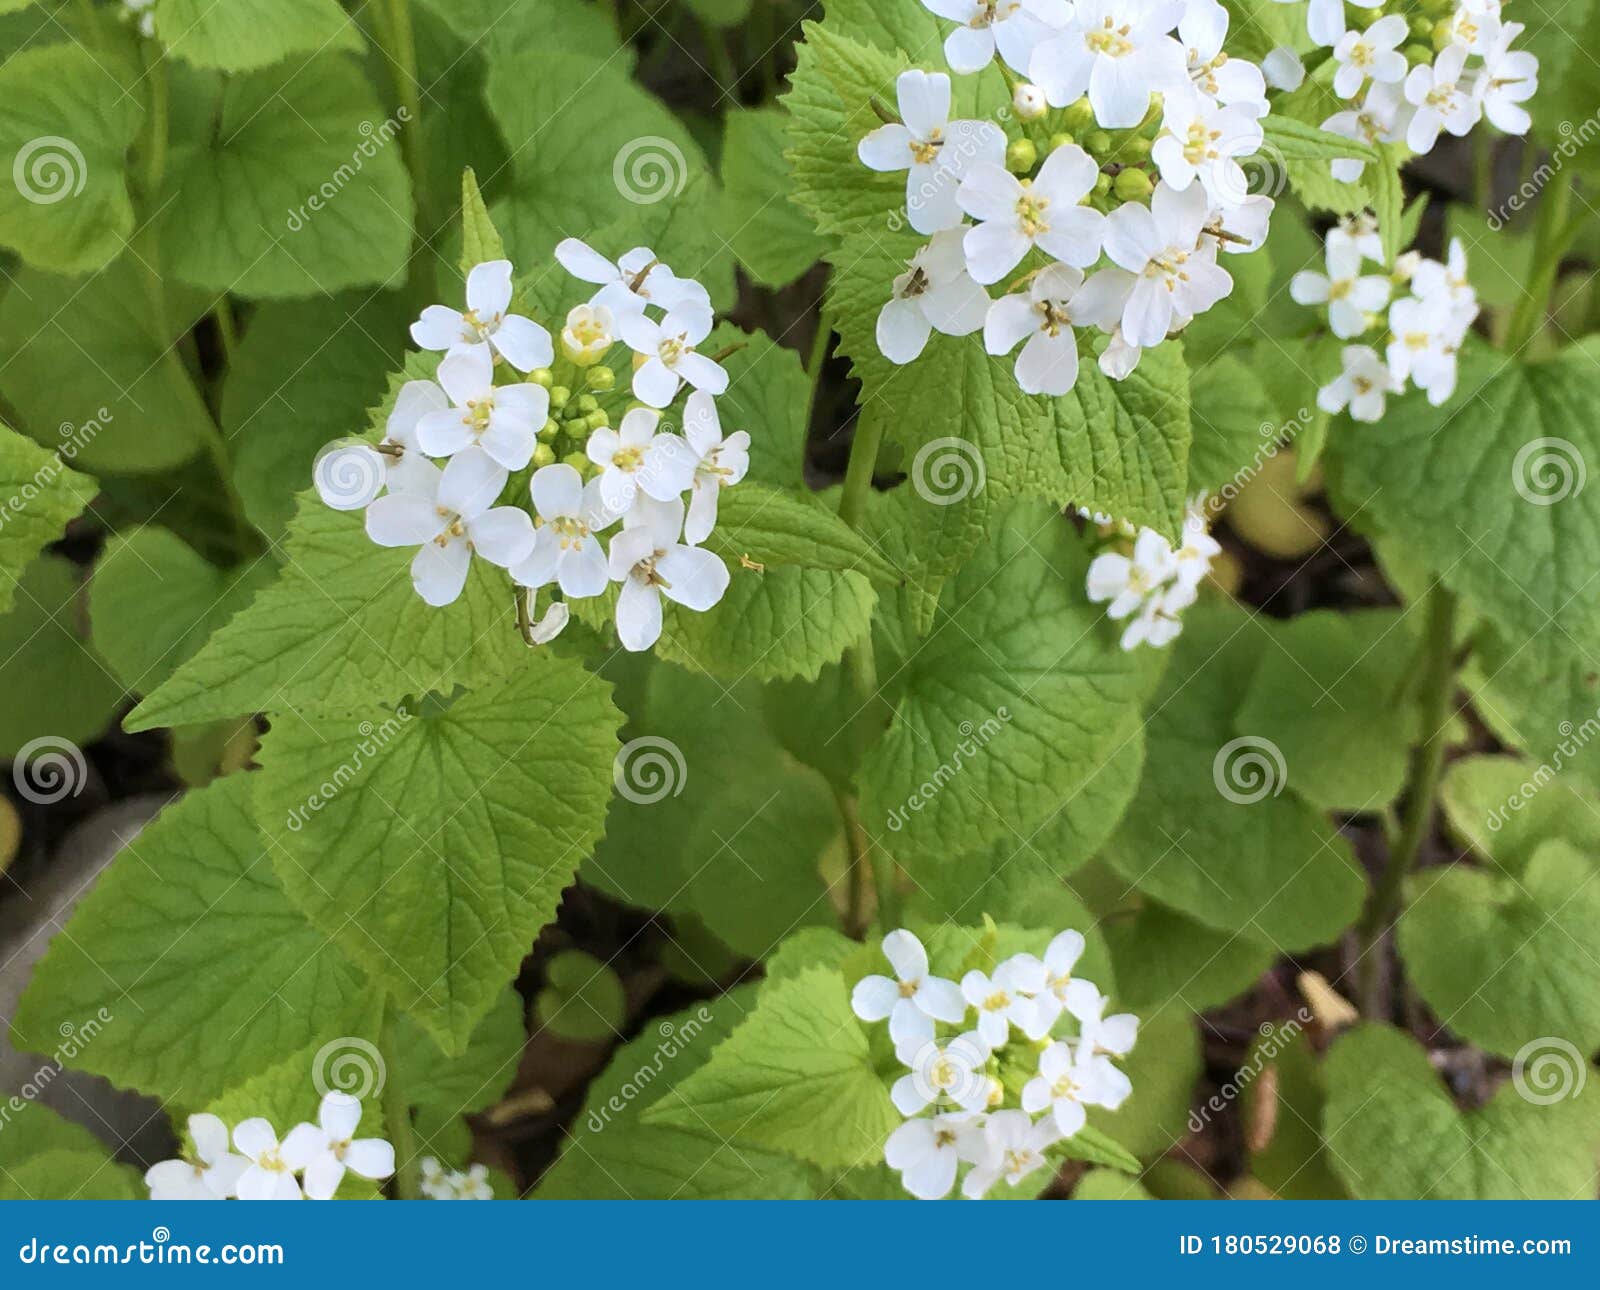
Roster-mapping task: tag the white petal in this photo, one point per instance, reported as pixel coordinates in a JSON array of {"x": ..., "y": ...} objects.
[
  {"x": 438, "y": 328},
  {"x": 403, "y": 519},
  {"x": 467, "y": 374},
  {"x": 638, "y": 615},
  {"x": 903, "y": 331},
  {"x": 323, "y": 1176},
  {"x": 703, "y": 373},
  {"x": 254, "y": 1137},
  {"x": 210, "y": 1136},
  {"x": 415, "y": 400},
  {"x": 994, "y": 249},
  {"x": 523, "y": 343},
  {"x": 655, "y": 383},
  {"x": 1048, "y": 364},
  {"x": 694, "y": 577},
  {"x": 582, "y": 570},
  {"x": 874, "y": 997},
  {"x": 906, "y": 955},
  {"x": 438, "y": 573},
  {"x": 886, "y": 148},
  {"x": 339, "y": 1114},
  {"x": 372, "y": 1158},
  {"x": 1010, "y": 319},
  {"x": 502, "y": 535},
  {"x": 941, "y": 999},
  {"x": 583, "y": 262},
  {"x": 924, "y": 99},
  {"x": 489, "y": 289},
  {"x": 471, "y": 483},
  {"x": 557, "y": 491}
]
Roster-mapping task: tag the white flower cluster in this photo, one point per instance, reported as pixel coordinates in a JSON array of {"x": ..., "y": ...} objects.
[
  {"x": 439, "y": 1183},
  {"x": 1409, "y": 80},
  {"x": 1100, "y": 242},
  {"x": 1424, "y": 329},
  {"x": 1151, "y": 583},
  {"x": 261, "y": 1168},
  {"x": 586, "y": 476},
  {"x": 954, "y": 1098},
  {"x": 140, "y": 14}
]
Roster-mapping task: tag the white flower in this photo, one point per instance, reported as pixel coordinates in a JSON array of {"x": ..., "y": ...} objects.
[
  {"x": 948, "y": 1073},
  {"x": 1048, "y": 363},
  {"x": 926, "y": 1151},
  {"x": 1506, "y": 80},
  {"x": 1198, "y": 549},
  {"x": 912, "y": 1000},
  {"x": 1283, "y": 69},
  {"x": 650, "y": 562},
  {"x": 1423, "y": 348},
  {"x": 1475, "y": 25},
  {"x": 1351, "y": 297},
  {"x": 634, "y": 458},
  {"x": 1013, "y": 1147},
  {"x": 1246, "y": 223},
  {"x": 326, "y": 1149},
  {"x": 1447, "y": 284},
  {"x": 670, "y": 356},
  {"x": 590, "y": 331},
  {"x": 1015, "y": 27},
  {"x": 1324, "y": 20},
  {"x": 1361, "y": 232},
  {"x": 1373, "y": 53},
  {"x": 270, "y": 1174},
  {"x": 565, "y": 549},
  {"x": 416, "y": 400},
  {"x": 1028, "y": 101},
  {"x": 213, "y": 1174},
  {"x": 485, "y": 324},
  {"x": 1061, "y": 988},
  {"x": 934, "y": 293},
  {"x": 1157, "y": 623},
  {"x": 720, "y": 463},
  {"x": 1372, "y": 122},
  {"x": 1442, "y": 98},
  {"x": 1199, "y": 140},
  {"x": 636, "y": 280},
  {"x": 934, "y": 150},
  {"x": 1166, "y": 276},
  {"x": 1017, "y": 214},
  {"x": 1071, "y": 1078},
  {"x": 1228, "y": 80},
  {"x": 502, "y": 420},
  {"x": 1098, "y": 1033},
  {"x": 439, "y": 1183},
  {"x": 1361, "y": 386},
  {"x": 1006, "y": 999},
  {"x": 449, "y": 519},
  {"x": 1128, "y": 581},
  {"x": 1120, "y": 52},
  {"x": 1119, "y": 357}
]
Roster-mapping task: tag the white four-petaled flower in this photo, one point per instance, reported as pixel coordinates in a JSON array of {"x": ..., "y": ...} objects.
[
  {"x": 650, "y": 562},
  {"x": 912, "y": 1000},
  {"x": 325, "y": 1150},
  {"x": 486, "y": 323}
]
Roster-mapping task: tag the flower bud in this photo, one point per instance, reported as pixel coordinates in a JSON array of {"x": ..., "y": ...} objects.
[
  {"x": 1029, "y": 101},
  {"x": 1061, "y": 139},
  {"x": 598, "y": 419},
  {"x": 1421, "y": 27},
  {"x": 1421, "y": 55},
  {"x": 1098, "y": 143},
  {"x": 1134, "y": 150},
  {"x": 587, "y": 403},
  {"x": 559, "y": 395},
  {"x": 600, "y": 378},
  {"x": 1021, "y": 156},
  {"x": 541, "y": 376},
  {"x": 1133, "y": 185},
  {"x": 543, "y": 455},
  {"x": 589, "y": 333},
  {"x": 1079, "y": 116},
  {"x": 1102, "y": 184},
  {"x": 549, "y": 430},
  {"x": 580, "y": 462}
]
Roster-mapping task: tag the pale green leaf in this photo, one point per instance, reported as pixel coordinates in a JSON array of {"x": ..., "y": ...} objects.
[
  {"x": 39, "y": 496},
  {"x": 772, "y": 237},
  {"x": 241, "y": 35}
]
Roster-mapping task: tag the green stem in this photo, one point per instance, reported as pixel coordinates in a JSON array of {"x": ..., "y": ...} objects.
[
  {"x": 399, "y": 43},
  {"x": 858, "y": 847},
  {"x": 818, "y": 359},
  {"x": 1437, "y": 685},
  {"x": 397, "y": 1119},
  {"x": 155, "y": 167},
  {"x": 227, "y": 329},
  {"x": 722, "y": 68},
  {"x": 1553, "y": 234}
]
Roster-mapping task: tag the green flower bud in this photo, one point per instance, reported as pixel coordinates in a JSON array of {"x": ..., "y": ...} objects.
[
  {"x": 544, "y": 455},
  {"x": 598, "y": 419},
  {"x": 541, "y": 376},
  {"x": 1021, "y": 156},
  {"x": 1133, "y": 185},
  {"x": 559, "y": 395},
  {"x": 600, "y": 378},
  {"x": 1102, "y": 184},
  {"x": 1079, "y": 116},
  {"x": 1134, "y": 150},
  {"x": 580, "y": 462},
  {"x": 1098, "y": 142},
  {"x": 587, "y": 403},
  {"x": 1421, "y": 27},
  {"x": 1417, "y": 55},
  {"x": 550, "y": 429}
]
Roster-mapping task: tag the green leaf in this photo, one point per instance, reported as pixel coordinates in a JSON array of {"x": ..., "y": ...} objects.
[
  {"x": 444, "y": 1089},
  {"x": 153, "y": 602},
  {"x": 1286, "y": 139},
  {"x": 772, "y": 238},
  {"x": 796, "y": 1077},
  {"x": 273, "y": 203},
  {"x": 339, "y": 630},
  {"x": 246, "y": 34},
  {"x": 1163, "y": 957},
  {"x": 502, "y": 28},
  {"x": 1517, "y": 535},
  {"x": 1506, "y": 958},
  {"x": 1540, "y": 696},
  {"x": 135, "y": 407},
  {"x": 775, "y": 528},
  {"x": 1388, "y": 200},
  {"x": 480, "y": 240},
  {"x": 1504, "y": 807},
  {"x": 306, "y": 373},
  {"x": 432, "y": 847},
  {"x": 609, "y": 1154},
  {"x": 1282, "y": 1085},
  {"x": 44, "y": 1157},
  {"x": 1212, "y": 833},
  {"x": 584, "y": 1000},
  {"x": 1016, "y": 700},
  {"x": 1334, "y": 698},
  {"x": 769, "y": 395},
  {"x": 189, "y": 943},
  {"x": 57, "y": 689},
  {"x": 1163, "y": 1068},
  {"x": 66, "y": 129},
  {"x": 39, "y": 497},
  {"x": 1393, "y": 1133}
]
